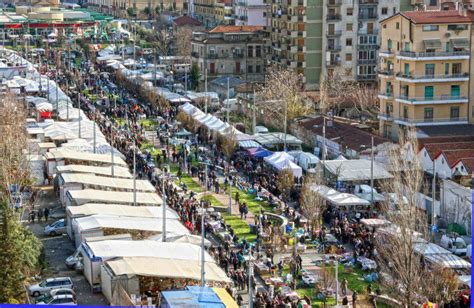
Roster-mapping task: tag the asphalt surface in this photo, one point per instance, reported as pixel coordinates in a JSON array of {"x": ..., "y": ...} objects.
[{"x": 56, "y": 250}]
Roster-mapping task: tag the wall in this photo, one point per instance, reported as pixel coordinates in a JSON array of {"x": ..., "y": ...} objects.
[
  {"x": 456, "y": 204},
  {"x": 314, "y": 43}
]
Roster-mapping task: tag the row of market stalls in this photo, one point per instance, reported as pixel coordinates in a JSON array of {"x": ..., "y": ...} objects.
[{"x": 98, "y": 193}]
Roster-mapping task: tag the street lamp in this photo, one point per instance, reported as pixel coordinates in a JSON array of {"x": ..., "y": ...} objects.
[{"x": 164, "y": 176}]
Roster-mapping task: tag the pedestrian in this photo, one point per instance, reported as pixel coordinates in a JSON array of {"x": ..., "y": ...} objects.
[
  {"x": 46, "y": 214},
  {"x": 32, "y": 215},
  {"x": 345, "y": 301},
  {"x": 354, "y": 299},
  {"x": 40, "y": 215},
  {"x": 239, "y": 300},
  {"x": 344, "y": 287}
]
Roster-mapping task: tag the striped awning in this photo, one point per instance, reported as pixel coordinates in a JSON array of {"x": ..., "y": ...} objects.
[
  {"x": 460, "y": 43},
  {"x": 432, "y": 44}
]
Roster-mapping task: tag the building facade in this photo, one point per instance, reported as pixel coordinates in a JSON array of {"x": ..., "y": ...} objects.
[
  {"x": 351, "y": 36},
  {"x": 237, "y": 51},
  {"x": 296, "y": 29},
  {"x": 250, "y": 12},
  {"x": 425, "y": 75}
]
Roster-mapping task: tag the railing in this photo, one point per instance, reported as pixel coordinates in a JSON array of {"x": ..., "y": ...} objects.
[
  {"x": 367, "y": 46},
  {"x": 334, "y": 48},
  {"x": 432, "y": 98},
  {"x": 238, "y": 55},
  {"x": 334, "y": 2},
  {"x": 334, "y": 63},
  {"x": 368, "y": 16},
  {"x": 413, "y": 54},
  {"x": 366, "y": 77},
  {"x": 419, "y": 77},
  {"x": 368, "y": 2},
  {"x": 366, "y": 61},
  {"x": 334, "y": 17},
  {"x": 386, "y": 51},
  {"x": 195, "y": 54},
  {"x": 431, "y": 120},
  {"x": 387, "y": 94},
  {"x": 368, "y": 32},
  {"x": 385, "y": 115},
  {"x": 386, "y": 72},
  {"x": 334, "y": 33}
]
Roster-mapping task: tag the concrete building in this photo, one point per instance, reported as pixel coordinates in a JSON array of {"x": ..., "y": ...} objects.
[
  {"x": 425, "y": 71},
  {"x": 204, "y": 11},
  {"x": 250, "y": 12},
  {"x": 351, "y": 35},
  {"x": 296, "y": 29},
  {"x": 230, "y": 51},
  {"x": 119, "y": 8}
]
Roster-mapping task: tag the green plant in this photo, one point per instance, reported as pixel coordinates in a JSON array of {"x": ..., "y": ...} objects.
[{"x": 195, "y": 75}]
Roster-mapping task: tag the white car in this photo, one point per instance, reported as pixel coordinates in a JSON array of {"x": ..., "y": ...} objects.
[
  {"x": 56, "y": 292},
  {"x": 57, "y": 227},
  {"x": 60, "y": 300},
  {"x": 50, "y": 284}
]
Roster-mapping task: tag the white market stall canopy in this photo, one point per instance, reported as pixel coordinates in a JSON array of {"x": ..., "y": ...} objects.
[
  {"x": 374, "y": 222},
  {"x": 448, "y": 261},
  {"x": 97, "y": 222},
  {"x": 283, "y": 160},
  {"x": 107, "y": 182},
  {"x": 270, "y": 139},
  {"x": 89, "y": 209},
  {"x": 355, "y": 170},
  {"x": 63, "y": 154},
  {"x": 146, "y": 248},
  {"x": 182, "y": 238},
  {"x": 119, "y": 172},
  {"x": 166, "y": 268},
  {"x": 430, "y": 249},
  {"x": 338, "y": 198},
  {"x": 84, "y": 196}
]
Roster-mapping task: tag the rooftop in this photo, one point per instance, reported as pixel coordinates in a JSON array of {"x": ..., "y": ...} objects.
[
  {"x": 438, "y": 17},
  {"x": 185, "y": 20},
  {"x": 434, "y": 149},
  {"x": 429, "y": 140},
  {"x": 235, "y": 29},
  {"x": 449, "y": 131},
  {"x": 454, "y": 156},
  {"x": 468, "y": 164}
]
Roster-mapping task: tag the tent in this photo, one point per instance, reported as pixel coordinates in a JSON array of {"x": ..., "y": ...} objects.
[
  {"x": 259, "y": 152},
  {"x": 355, "y": 170},
  {"x": 182, "y": 238},
  {"x": 338, "y": 198},
  {"x": 283, "y": 160}
]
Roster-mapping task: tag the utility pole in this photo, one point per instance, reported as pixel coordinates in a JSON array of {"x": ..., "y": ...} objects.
[
  {"x": 134, "y": 175},
  {"x": 228, "y": 103},
  {"x": 250, "y": 269},
  {"x": 286, "y": 123},
  {"x": 79, "y": 112},
  {"x": 323, "y": 154},
  {"x": 205, "y": 90},
  {"x": 112, "y": 153},
  {"x": 203, "y": 251},
  {"x": 337, "y": 281},
  {"x": 163, "y": 236},
  {"x": 95, "y": 138},
  {"x": 186, "y": 79},
  {"x": 433, "y": 197},
  {"x": 254, "y": 120},
  {"x": 372, "y": 172}
]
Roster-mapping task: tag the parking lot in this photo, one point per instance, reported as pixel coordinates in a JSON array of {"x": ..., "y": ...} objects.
[{"x": 56, "y": 250}]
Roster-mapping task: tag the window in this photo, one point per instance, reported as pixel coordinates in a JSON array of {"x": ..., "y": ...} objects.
[
  {"x": 433, "y": 2},
  {"x": 430, "y": 28},
  {"x": 250, "y": 69},
  {"x": 455, "y": 91},
  {"x": 348, "y": 57},
  {"x": 406, "y": 69},
  {"x": 258, "y": 69},
  {"x": 454, "y": 113},
  {"x": 384, "y": 10},
  {"x": 397, "y": 25},
  {"x": 349, "y": 11},
  {"x": 258, "y": 51},
  {"x": 389, "y": 44},
  {"x": 348, "y": 42},
  {"x": 250, "y": 51},
  {"x": 456, "y": 70},
  {"x": 429, "y": 69},
  {"x": 405, "y": 112},
  {"x": 457, "y": 27},
  {"x": 429, "y": 92},
  {"x": 348, "y": 27},
  {"x": 428, "y": 113},
  {"x": 446, "y": 68}
]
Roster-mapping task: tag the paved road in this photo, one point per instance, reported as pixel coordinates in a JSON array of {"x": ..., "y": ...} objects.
[{"x": 56, "y": 250}]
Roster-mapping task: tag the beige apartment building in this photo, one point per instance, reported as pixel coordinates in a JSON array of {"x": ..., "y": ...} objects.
[{"x": 425, "y": 70}]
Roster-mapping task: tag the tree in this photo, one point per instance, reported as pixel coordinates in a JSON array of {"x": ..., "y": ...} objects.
[
  {"x": 183, "y": 39},
  {"x": 131, "y": 12},
  {"x": 19, "y": 248},
  {"x": 281, "y": 96},
  {"x": 228, "y": 144},
  {"x": 311, "y": 202},
  {"x": 147, "y": 11},
  {"x": 411, "y": 278},
  {"x": 195, "y": 74},
  {"x": 158, "y": 9},
  {"x": 285, "y": 182}
]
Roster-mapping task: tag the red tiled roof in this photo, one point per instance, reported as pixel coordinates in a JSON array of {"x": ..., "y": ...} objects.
[
  {"x": 438, "y": 17},
  {"x": 423, "y": 141},
  {"x": 434, "y": 149},
  {"x": 185, "y": 20},
  {"x": 453, "y": 156},
  {"x": 235, "y": 29},
  {"x": 468, "y": 164},
  {"x": 344, "y": 134}
]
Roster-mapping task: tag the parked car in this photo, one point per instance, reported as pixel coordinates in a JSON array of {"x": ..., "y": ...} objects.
[
  {"x": 454, "y": 243},
  {"x": 60, "y": 300},
  {"x": 48, "y": 296},
  {"x": 50, "y": 284},
  {"x": 57, "y": 227}
]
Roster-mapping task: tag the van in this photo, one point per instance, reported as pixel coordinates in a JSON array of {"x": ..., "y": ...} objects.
[
  {"x": 229, "y": 104},
  {"x": 454, "y": 243}
]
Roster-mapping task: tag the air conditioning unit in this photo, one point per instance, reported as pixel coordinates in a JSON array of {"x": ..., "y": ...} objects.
[{"x": 447, "y": 34}]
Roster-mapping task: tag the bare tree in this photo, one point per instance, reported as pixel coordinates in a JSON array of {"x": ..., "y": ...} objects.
[
  {"x": 162, "y": 42},
  {"x": 183, "y": 39},
  {"x": 410, "y": 277},
  {"x": 285, "y": 182},
  {"x": 311, "y": 202},
  {"x": 281, "y": 96},
  {"x": 229, "y": 144}
]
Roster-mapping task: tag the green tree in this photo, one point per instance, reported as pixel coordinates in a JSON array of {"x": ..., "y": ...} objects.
[
  {"x": 147, "y": 11},
  {"x": 158, "y": 9},
  {"x": 195, "y": 74},
  {"x": 131, "y": 12}
]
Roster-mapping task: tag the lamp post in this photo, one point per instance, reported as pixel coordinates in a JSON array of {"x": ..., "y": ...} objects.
[{"x": 250, "y": 269}]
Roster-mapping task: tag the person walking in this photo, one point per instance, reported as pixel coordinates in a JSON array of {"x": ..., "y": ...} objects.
[
  {"x": 354, "y": 299},
  {"x": 40, "y": 215},
  {"x": 344, "y": 287},
  {"x": 46, "y": 214}
]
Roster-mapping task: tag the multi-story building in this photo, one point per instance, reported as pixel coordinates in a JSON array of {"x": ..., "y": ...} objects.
[
  {"x": 224, "y": 12},
  {"x": 351, "y": 39},
  {"x": 295, "y": 28},
  {"x": 250, "y": 12},
  {"x": 205, "y": 11},
  {"x": 425, "y": 74},
  {"x": 230, "y": 51},
  {"x": 119, "y": 8}
]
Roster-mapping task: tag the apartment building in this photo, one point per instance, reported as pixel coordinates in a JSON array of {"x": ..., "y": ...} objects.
[
  {"x": 250, "y": 12},
  {"x": 351, "y": 35},
  {"x": 296, "y": 29},
  {"x": 425, "y": 70},
  {"x": 119, "y": 8},
  {"x": 237, "y": 51}
]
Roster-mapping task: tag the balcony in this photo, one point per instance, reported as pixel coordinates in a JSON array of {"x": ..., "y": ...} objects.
[
  {"x": 385, "y": 95},
  {"x": 334, "y": 2},
  {"x": 366, "y": 61},
  {"x": 430, "y": 121},
  {"x": 385, "y": 116},
  {"x": 237, "y": 55},
  {"x": 368, "y": 77},
  {"x": 368, "y": 16},
  {"x": 367, "y": 46},
  {"x": 333, "y": 17},
  {"x": 212, "y": 55},
  {"x": 388, "y": 53},
  {"x": 292, "y": 49},
  {"x": 443, "y": 99},
  {"x": 195, "y": 54},
  {"x": 334, "y": 33},
  {"x": 428, "y": 56},
  {"x": 291, "y": 63},
  {"x": 368, "y": 2},
  {"x": 368, "y": 32},
  {"x": 432, "y": 78},
  {"x": 333, "y": 48},
  {"x": 333, "y": 63},
  {"x": 386, "y": 73}
]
